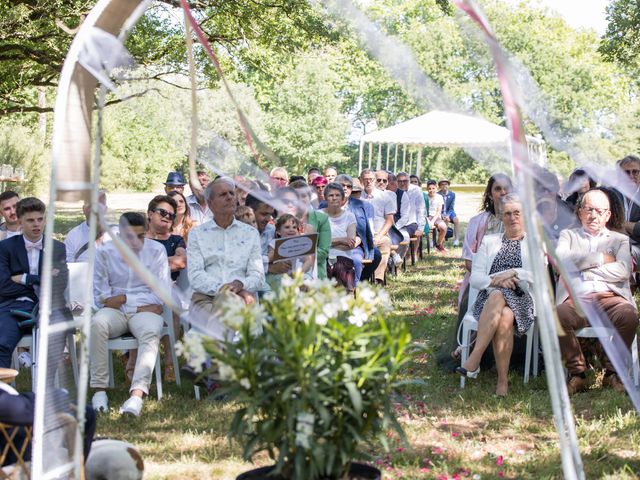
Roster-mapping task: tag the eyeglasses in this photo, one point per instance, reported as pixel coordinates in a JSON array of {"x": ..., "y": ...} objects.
[
  {"x": 346, "y": 185},
  {"x": 598, "y": 211},
  {"x": 514, "y": 214},
  {"x": 632, "y": 172},
  {"x": 403, "y": 181},
  {"x": 164, "y": 213},
  {"x": 382, "y": 180}
]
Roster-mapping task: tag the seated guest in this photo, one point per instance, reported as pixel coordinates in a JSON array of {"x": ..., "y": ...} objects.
[
  {"x": 300, "y": 194},
  {"x": 330, "y": 173},
  {"x": 161, "y": 215},
  {"x": 77, "y": 240},
  {"x": 363, "y": 212},
  {"x": 415, "y": 181},
  {"x": 183, "y": 223},
  {"x": 223, "y": 255},
  {"x": 198, "y": 207},
  {"x": 603, "y": 260},
  {"x": 263, "y": 214},
  {"x": 343, "y": 237},
  {"x": 245, "y": 214},
  {"x": 312, "y": 173},
  {"x": 487, "y": 222},
  {"x": 127, "y": 304},
  {"x": 417, "y": 208},
  {"x": 554, "y": 212},
  {"x": 402, "y": 218},
  {"x": 579, "y": 182},
  {"x": 502, "y": 276},
  {"x": 175, "y": 182},
  {"x": 287, "y": 225},
  {"x": 318, "y": 184},
  {"x": 434, "y": 215},
  {"x": 19, "y": 408},
  {"x": 630, "y": 165},
  {"x": 448, "y": 210},
  {"x": 384, "y": 207},
  {"x": 278, "y": 178},
  {"x": 11, "y": 225},
  {"x": 21, "y": 259}
]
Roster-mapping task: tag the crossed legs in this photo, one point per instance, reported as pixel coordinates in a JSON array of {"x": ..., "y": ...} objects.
[{"x": 495, "y": 325}]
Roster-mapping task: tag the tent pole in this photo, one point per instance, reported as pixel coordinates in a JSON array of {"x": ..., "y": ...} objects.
[
  {"x": 379, "y": 162},
  {"x": 387, "y": 167},
  {"x": 395, "y": 160},
  {"x": 360, "y": 155},
  {"x": 370, "y": 154},
  {"x": 419, "y": 162},
  {"x": 404, "y": 158},
  {"x": 410, "y": 160}
]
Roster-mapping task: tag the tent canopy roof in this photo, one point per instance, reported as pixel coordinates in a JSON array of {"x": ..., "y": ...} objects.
[{"x": 445, "y": 129}]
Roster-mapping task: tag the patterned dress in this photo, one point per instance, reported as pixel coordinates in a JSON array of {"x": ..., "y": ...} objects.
[{"x": 520, "y": 302}]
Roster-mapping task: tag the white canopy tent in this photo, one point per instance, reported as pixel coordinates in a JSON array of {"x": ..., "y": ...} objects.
[{"x": 440, "y": 129}]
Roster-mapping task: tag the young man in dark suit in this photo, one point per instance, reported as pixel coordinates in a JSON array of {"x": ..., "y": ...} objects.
[{"x": 21, "y": 259}]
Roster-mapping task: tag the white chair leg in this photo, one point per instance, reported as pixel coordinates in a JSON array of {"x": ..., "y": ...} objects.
[
  {"x": 158, "y": 377},
  {"x": 464, "y": 353},
  {"x": 34, "y": 353},
  {"x": 635, "y": 363},
  {"x": 174, "y": 355},
  {"x": 111, "y": 381},
  {"x": 196, "y": 392},
  {"x": 536, "y": 349},
  {"x": 71, "y": 346},
  {"x": 528, "y": 353}
]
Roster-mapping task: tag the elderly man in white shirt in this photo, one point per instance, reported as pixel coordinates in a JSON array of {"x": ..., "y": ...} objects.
[
  {"x": 127, "y": 304},
  {"x": 223, "y": 255},
  {"x": 417, "y": 210},
  {"x": 384, "y": 205}
]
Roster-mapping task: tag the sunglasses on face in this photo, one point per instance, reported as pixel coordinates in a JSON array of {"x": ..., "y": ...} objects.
[
  {"x": 633, "y": 172},
  {"x": 346, "y": 185},
  {"x": 382, "y": 180},
  {"x": 164, "y": 213}
]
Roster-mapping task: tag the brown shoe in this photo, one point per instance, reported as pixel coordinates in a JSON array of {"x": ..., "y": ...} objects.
[
  {"x": 614, "y": 382},
  {"x": 577, "y": 384}
]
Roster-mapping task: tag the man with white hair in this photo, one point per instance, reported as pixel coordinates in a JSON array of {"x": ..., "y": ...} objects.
[
  {"x": 278, "y": 178},
  {"x": 603, "y": 260},
  {"x": 223, "y": 256}
]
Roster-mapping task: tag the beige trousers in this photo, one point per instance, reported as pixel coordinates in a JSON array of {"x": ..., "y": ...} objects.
[
  {"x": 110, "y": 323},
  {"x": 384, "y": 245}
]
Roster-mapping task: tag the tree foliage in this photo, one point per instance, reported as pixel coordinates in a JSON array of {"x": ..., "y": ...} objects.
[{"x": 621, "y": 41}]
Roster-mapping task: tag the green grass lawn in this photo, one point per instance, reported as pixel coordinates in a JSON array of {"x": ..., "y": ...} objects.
[{"x": 452, "y": 433}]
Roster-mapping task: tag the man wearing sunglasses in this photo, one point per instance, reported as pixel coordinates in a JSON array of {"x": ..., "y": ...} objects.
[
  {"x": 384, "y": 207},
  {"x": 630, "y": 166},
  {"x": 127, "y": 304}
]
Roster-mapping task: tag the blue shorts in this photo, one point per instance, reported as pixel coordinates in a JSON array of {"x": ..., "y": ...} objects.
[{"x": 451, "y": 215}]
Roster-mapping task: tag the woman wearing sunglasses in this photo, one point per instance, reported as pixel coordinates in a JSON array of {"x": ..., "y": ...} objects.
[{"x": 162, "y": 216}]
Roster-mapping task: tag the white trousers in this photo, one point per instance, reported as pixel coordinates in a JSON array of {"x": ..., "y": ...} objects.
[{"x": 110, "y": 323}]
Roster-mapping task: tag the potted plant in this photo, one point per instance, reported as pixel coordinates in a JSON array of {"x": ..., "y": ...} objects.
[{"x": 313, "y": 370}]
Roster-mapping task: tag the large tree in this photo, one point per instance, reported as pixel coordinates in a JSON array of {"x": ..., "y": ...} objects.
[
  {"x": 35, "y": 36},
  {"x": 621, "y": 41}
]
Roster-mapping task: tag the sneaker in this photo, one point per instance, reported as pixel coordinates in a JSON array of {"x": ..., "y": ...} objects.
[
  {"x": 577, "y": 384},
  {"x": 397, "y": 259},
  {"x": 24, "y": 359},
  {"x": 456, "y": 243},
  {"x": 100, "y": 402},
  {"x": 133, "y": 406},
  {"x": 613, "y": 381}
]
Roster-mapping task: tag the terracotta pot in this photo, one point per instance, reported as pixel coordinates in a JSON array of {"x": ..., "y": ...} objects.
[{"x": 357, "y": 471}]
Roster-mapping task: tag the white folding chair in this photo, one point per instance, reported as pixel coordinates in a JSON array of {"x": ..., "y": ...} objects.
[
  {"x": 469, "y": 325},
  {"x": 603, "y": 332},
  {"x": 129, "y": 342}
]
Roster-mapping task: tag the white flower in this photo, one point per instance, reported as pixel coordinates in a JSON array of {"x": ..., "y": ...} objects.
[
  {"x": 330, "y": 309},
  {"x": 367, "y": 295},
  {"x": 358, "y": 317},
  {"x": 245, "y": 383},
  {"x": 321, "y": 319},
  {"x": 345, "y": 303},
  {"x": 192, "y": 348},
  {"x": 286, "y": 281},
  {"x": 226, "y": 371}
]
